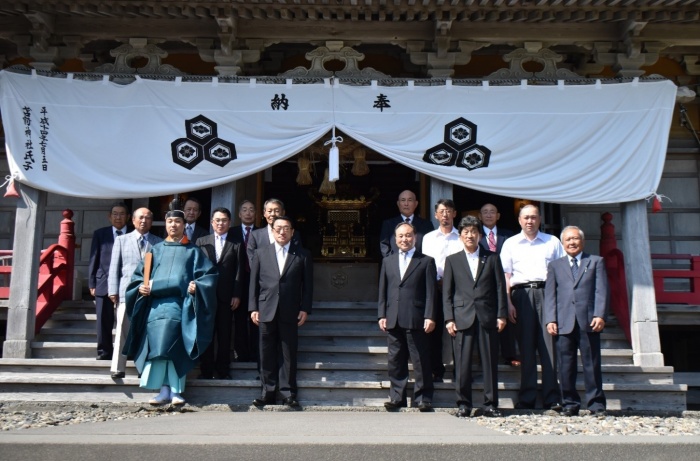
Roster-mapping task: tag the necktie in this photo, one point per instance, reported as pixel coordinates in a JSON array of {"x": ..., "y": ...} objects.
[
  {"x": 142, "y": 245},
  {"x": 403, "y": 263},
  {"x": 407, "y": 220},
  {"x": 247, "y": 234},
  {"x": 245, "y": 245},
  {"x": 189, "y": 232},
  {"x": 119, "y": 233},
  {"x": 219, "y": 247},
  {"x": 574, "y": 268},
  {"x": 281, "y": 257},
  {"x": 492, "y": 241}
]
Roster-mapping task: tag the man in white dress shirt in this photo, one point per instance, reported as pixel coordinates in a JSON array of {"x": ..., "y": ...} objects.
[
  {"x": 439, "y": 244},
  {"x": 525, "y": 257}
]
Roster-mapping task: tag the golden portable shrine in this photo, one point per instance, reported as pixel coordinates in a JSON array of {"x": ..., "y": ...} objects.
[{"x": 343, "y": 225}]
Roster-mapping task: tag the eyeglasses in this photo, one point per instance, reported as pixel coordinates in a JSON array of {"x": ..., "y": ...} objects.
[
  {"x": 119, "y": 215},
  {"x": 221, "y": 221},
  {"x": 282, "y": 228}
]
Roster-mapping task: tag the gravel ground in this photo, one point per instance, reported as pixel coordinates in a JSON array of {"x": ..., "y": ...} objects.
[{"x": 23, "y": 416}]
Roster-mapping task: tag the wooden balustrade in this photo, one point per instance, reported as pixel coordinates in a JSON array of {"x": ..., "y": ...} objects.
[
  {"x": 56, "y": 267},
  {"x": 692, "y": 274}
]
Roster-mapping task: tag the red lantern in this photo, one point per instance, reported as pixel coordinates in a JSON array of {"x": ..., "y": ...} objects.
[
  {"x": 11, "y": 190},
  {"x": 656, "y": 204}
]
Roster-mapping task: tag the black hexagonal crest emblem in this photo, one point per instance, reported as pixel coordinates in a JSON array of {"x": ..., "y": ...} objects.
[
  {"x": 219, "y": 152},
  {"x": 186, "y": 153},
  {"x": 200, "y": 129},
  {"x": 202, "y": 143},
  {"x": 459, "y": 147},
  {"x": 460, "y": 133},
  {"x": 474, "y": 157},
  {"x": 442, "y": 154}
]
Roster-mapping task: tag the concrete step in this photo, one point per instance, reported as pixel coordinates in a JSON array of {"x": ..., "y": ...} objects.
[
  {"x": 328, "y": 371},
  {"x": 101, "y": 388}
]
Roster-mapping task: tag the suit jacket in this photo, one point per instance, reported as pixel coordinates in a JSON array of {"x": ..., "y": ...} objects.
[
  {"x": 582, "y": 299},
  {"x": 237, "y": 234},
  {"x": 198, "y": 233},
  {"x": 229, "y": 266},
  {"x": 501, "y": 236},
  {"x": 387, "y": 242},
  {"x": 260, "y": 238},
  {"x": 407, "y": 302},
  {"x": 466, "y": 299},
  {"x": 286, "y": 293},
  {"x": 126, "y": 255},
  {"x": 100, "y": 257}
]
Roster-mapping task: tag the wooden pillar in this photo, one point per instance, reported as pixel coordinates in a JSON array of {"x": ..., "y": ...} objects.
[
  {"x": 438, "y": 189},
  {"x": 225, "y": 196},
  {"x": 640, "y": 285},
  {"x": 29, "y": 234}
]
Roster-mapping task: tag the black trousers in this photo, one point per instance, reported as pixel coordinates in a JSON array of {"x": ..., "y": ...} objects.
[
  {"x": 534, "y": 340},
  {"x": 588, "y": 343},
  {"x": 414, "y": 344},
  {"x": 463, "y": 344},
  {"x": 436, "y": 336},
  {"x": 217, "y": 357},
  {"x": 104, "y": 308},
  {"x": 507, "y": 341},
  {"x": 278, "y": 358}
]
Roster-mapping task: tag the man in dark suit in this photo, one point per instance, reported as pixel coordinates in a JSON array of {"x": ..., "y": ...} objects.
[
  {"x": 281, "y": 292},
  {"x": 98, "y": 275},
  {"x": 492, "y": 239},
  {"x": 193, "y": 209},
  {"x": 475, "y": 307},
  {"x": 224, "y": 253},
  {"x": 245, "y": 334},
  {"x": 576, "y": 306},
  {"x": 407, "y": 204},
  {"x": 406, "y": 314},
  {"x": 272, "y": 209}
]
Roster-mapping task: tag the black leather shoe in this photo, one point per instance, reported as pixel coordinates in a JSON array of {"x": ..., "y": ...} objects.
[
  {"x": 556, "y": 406},
  {"x": 117, "y": 375},
  {"x": 464, "y": 411},
  {"x": 226, "y": 377},
  {"x": 438, "y": 379},
  {"x": 600, "y": 413},
  {"x": 492, "y": 412},
  {"x": 393, "y": 405},
  {"x": 262, "y": 401},
  {"x": 524, "y": 406},
  {"x": 104, "y": 357},
  {"x": 205, "y": 376},
  {"x": 425, "y": 406},
  {"x": 291, "y": 402},
  {"x": 569, "y": 411}
]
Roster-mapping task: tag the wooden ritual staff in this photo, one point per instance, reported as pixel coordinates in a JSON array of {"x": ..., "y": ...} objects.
[{"x": 147, "y": 263}]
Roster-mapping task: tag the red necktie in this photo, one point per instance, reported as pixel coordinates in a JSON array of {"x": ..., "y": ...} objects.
[{"x": 492, "y": 241}]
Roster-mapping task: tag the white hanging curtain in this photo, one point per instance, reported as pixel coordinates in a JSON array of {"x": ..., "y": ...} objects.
[{"x": 585, "y": 144}]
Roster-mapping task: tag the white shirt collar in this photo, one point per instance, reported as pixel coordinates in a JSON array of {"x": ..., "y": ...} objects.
[
  {"x": 473, "y": 255},
  {"x": 487, "y": 231},
  {"x": 278, "y": 247}
]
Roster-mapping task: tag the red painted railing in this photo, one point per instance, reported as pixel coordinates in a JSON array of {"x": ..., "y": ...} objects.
[
  {"x": 5, "y": 271},
  {"x": 56, "y": 266},
  {"x": 692, "y": 296}
]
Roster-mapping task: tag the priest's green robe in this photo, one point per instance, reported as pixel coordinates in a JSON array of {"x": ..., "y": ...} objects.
[{"x": 170, "y": 323}]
